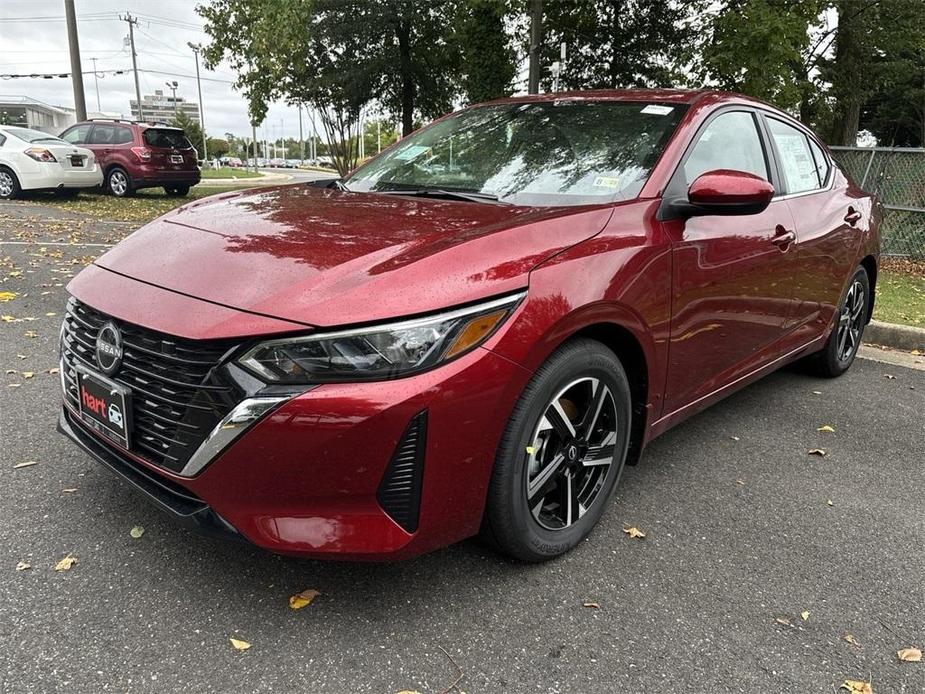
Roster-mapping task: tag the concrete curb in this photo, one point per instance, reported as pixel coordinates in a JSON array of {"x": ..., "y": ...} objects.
[{"x": 903, "y": 337}]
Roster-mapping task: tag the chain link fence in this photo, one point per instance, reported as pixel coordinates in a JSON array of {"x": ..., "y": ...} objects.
[{"x": 897, "y": 176}]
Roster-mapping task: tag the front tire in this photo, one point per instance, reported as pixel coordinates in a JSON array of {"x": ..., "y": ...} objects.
[
  {"x": 119, "y": 182},
  {"x": 845, "y": 338},
  {"x": 561, "y": 455},
  {"x": 9, "y": 184}
]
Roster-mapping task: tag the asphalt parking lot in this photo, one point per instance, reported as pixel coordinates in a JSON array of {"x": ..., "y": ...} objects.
[{"x": 746, "y": 533}]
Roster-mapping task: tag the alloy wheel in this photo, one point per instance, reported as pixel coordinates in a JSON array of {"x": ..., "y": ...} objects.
[
  {"x": 572, "y": 453},
  {"x": 851, "y": 321},
  {"x": 6, "y": 184},
  {"x": 118, "y": 183}
]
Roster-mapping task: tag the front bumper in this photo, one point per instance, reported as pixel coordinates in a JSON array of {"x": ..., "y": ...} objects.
[{"x": 304, "y": 479}]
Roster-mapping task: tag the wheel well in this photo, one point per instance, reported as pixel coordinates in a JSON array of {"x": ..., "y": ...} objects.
[
  {"x": 622, "y": 342},
  {"x": 870, "y": 264}
]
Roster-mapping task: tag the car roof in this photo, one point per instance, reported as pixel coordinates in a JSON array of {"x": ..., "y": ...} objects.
[{"x": 671, "y": 96}]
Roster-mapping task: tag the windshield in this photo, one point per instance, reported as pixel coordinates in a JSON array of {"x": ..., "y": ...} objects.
[
  {"x": 29, "y": 135},
  {"x": 162, "y": 137},
  {"x": 566, "y": 152}
]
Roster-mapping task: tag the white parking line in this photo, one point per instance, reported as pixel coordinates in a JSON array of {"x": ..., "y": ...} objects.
[{"x": 55, "y": 243}]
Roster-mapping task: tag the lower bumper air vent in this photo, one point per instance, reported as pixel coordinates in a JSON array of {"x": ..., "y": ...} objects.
[{"x": 400, "y": 490}]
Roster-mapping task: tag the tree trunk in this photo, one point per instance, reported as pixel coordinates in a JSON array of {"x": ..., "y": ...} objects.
[{"x": 403, "y": 34}]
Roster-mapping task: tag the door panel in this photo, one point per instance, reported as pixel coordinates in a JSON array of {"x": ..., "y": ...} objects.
[
  {"x": 732, "y": 277},
  {"x": 732, "y": 296}
]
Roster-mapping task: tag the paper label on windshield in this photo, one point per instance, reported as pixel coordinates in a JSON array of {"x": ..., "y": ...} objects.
[
  {"x": 657, "y": 110},
  {"x": 411, "y": 152},
  {"x": 607, "y": 182}
]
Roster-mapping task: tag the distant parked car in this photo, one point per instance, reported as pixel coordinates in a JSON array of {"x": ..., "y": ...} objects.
[
  {"x": 33, "y": 160},
  {"x": 277, "y": 162},
  {"x": 234, "y": 162},
  {"x": 137, "y": 155}
]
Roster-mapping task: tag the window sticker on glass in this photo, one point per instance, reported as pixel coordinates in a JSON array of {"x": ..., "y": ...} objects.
[
  {"x": 657, "y": 110},
  {"x": 607, "y": 182},
  {"x": 411, "y": 152}
]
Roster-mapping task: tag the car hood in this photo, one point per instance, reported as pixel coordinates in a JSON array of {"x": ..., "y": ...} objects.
[{"x": 324, "y": 257}]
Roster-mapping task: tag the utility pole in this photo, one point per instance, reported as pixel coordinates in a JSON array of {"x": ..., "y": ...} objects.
[
  {"x": 202, "y": 121},
  {"x": 96, "y": 78},
  {"x": 77, "y": 78},
  {"x": 132, "y": 21},
  {"x": 536, "y": 38}
]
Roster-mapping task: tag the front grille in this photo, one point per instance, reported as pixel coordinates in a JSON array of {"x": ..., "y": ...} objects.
[{"x": 178, "y": 396}]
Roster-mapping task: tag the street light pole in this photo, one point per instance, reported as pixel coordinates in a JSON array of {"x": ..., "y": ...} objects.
[
  {"x": 301, "y": 141},
  {"x": 96, "y": 79},
  {"x": 172, "y": 86},
  {"x": 202, "y": 121},
  {"x": 77, "y": 78}
]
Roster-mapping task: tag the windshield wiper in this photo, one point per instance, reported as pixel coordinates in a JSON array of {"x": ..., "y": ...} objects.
[{"x": 468, "y": 195}]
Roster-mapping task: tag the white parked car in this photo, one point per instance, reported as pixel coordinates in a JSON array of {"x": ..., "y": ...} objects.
[{"x": 33, "y": 160}]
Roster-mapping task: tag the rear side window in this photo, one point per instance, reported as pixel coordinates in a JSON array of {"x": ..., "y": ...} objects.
[
  {"x": 822, "y": 162},
  {"x": 161, "y": 137},
  {"x": 796, "y": 159},
  {"x": 103, "y": 135},
  {"x": 2, "y": 140},
  {"x": 730, "y": 141},
  {"x": 77, "y": 135},
  {"x": 123, "y": 136}
]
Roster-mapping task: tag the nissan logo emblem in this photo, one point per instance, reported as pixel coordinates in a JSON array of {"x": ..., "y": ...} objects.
[{"x": 109, "y": 348}]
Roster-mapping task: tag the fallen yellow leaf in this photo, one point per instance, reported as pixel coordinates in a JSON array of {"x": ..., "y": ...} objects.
[
  {"x": 817, "y": 451},
  {"x": 805, "y": 615},
  {"x": 592, "y": 605},
  {"x": 857, "y": 687},
  {"x": 28, "y": 374},
  {"x": 136, "y": 532},
  {"x": 850, "y": 639},
  {"x": 303, "y": 599},
  {"x": 239, "y": 645},
  {"x": 7, "y": 296},
  {"x": 66, "y": 563},
  {"x": 783, "y": 620},
  {"x": 635, "y": 533},
  {"x": 830, "y": 502},
  {"x": 23, "y": 565},
  {"x": 909, "y": 655},
  {"x": 825, "y": 427},
  {"x": 31, "y": 333}
]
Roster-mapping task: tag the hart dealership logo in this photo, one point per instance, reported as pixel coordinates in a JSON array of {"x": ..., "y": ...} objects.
[{"x": 109, "y": 349}]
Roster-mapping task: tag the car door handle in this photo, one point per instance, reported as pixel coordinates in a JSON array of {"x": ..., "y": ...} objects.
[
  {"x": 853, "y": 216},
  {"x": 784, "y": 238}
]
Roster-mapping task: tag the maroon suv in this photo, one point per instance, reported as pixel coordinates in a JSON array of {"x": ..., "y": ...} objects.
[{"x": 138, "y": 155}]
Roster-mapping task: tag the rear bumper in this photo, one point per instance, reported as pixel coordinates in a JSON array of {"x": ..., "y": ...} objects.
[
  {"x": 150, "y": 177},
  {"x": 60, "y": 178}
]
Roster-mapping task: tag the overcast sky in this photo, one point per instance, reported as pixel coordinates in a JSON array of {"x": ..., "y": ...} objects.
[{"x": 31, "y": 45}]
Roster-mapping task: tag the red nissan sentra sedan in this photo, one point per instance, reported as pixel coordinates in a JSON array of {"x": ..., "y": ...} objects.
[{"x": 472, "y": 333}]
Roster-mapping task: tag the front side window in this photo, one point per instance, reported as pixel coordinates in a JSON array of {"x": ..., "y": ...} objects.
[
  {"x": 567, "y": 152},
  {"x": 730, "y": 141},
  {"x": 796, "y": 160},
  {"x": 77, "y": 135}
]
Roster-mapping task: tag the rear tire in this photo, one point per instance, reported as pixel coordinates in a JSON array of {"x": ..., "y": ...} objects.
[
  {"x": 845, "y": 337},
  {"x": 119, "y": 182},
  {"x": 538, "y": 508},
  {"x": 176, "y": 191},
  {"x": 9, "y": 184}
]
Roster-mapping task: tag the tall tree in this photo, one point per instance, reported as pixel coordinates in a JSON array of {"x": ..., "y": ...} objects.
[
  {"x": 766, "y": 49},
  {"x": 488, "y": 59},
  {"x": 616, "y": 43}
]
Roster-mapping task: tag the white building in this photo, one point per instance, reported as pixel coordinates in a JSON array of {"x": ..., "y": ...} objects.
[
  {"x": 32, "y": 113},
  {"x": 163, "y": 109}
]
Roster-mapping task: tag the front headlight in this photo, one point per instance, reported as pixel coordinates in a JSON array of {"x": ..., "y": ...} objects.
[{"x": 379, "y": 352}]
